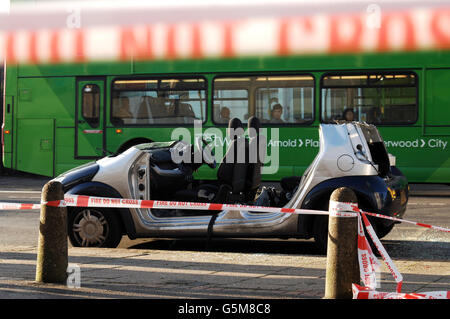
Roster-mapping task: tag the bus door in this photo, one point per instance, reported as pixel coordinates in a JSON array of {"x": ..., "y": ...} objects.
[{"x": 89, "y": 118}]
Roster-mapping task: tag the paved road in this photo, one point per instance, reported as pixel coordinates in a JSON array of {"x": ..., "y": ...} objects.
[
  {"x": 428, "y": 204},
  {"x": 229, "y": 268}
]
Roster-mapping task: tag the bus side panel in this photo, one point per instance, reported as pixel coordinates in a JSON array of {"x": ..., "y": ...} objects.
[
  {"x": 64, "y": 147},
  {"x": 35, "y": 141},
  {"x": 437, "y": 102},
  {"x": 437, "y": 125},
  {"x": 43, "y": 105},
  {"x": 405, "y": 144},
  {"x": 52, "y": 97}
]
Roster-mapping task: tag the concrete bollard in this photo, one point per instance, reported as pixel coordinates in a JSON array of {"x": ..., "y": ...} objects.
[
  {"x": 342, "y": 250},
  {"x": 52, "y": 257}
]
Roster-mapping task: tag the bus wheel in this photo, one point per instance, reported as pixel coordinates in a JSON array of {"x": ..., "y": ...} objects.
[{"x": 93, "y": 227}]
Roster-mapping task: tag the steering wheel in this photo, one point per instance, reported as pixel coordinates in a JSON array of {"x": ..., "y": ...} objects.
[{"x": 207, "y": 152}]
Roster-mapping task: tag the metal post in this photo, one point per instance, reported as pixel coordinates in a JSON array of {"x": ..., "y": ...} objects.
[
  {"x": 342, "y": 250},
  {"x": 52, "y": 257}
]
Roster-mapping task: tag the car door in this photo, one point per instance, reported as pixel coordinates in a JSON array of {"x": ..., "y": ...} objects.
[{"x": 89, "y": 120}]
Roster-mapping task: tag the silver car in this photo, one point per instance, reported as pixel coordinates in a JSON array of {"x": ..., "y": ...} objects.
[{"x": 351, "y": 154}]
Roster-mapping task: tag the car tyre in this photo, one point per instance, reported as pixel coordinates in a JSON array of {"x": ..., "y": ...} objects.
[
  {"x": 93, "y": 227},
  {"x": 320, "y": 234},
  {"x": 382, "y": 230}
]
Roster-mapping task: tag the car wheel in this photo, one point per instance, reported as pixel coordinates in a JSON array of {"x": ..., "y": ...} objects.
[
  {"x": 320, "y": 234},
  {"x": 93, "y": 227},
  {"x": 382, "y": 230}
]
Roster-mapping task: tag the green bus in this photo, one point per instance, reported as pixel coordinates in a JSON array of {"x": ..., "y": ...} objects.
[
  {"x": 59, "y": 116},
  {"x": 69, "y": 98}
]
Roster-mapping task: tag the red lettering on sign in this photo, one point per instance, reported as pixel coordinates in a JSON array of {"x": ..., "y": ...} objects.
[
  {"x": 79, "y": 46},
  {"x": 10, "y": 52},
  {"x": 33, "y": 47},
  {"x": 228, "y": 47},
  {"x": 389, "y": 27},
  {"x": 130, "y": 46},
  {"x": 298, "y": 33},
  {"x": 171, "y": 51},
  {"x": 440, "y": 28},
  {"x": 345, "y": 34},
  {"x": 54, "y": 47},
  {"x": 283, "y": 44},
  {"x": 196, "y": 42}
]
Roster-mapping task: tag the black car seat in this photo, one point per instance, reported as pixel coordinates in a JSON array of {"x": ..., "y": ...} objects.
[
  {"x": 232, "y": 171},
  {"x": 231, "y": 174},
  {"x": 233, "y": 167},
  {"x": 257, "y": 154}
]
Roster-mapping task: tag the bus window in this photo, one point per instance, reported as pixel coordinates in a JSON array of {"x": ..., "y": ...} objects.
[
  {"x": 91, "y": 104},
  {"x": 158, "y": 101},
  {"x": 374, "y": 98},
  {"x": 285, "y": 99},
  {"x": 231, "y": 99}
]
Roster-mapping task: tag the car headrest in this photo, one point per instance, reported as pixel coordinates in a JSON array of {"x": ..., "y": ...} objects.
[
  {"x": 253, "y": 122},
  {"x": 235, "y": 128}
]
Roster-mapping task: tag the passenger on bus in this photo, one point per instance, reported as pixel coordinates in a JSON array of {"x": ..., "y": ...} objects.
[
  {"x": 224, "y": 115},
  {"x": 375, "y": 115},
  {"x": 276, "y": 112},
  {"x": 348, "y": 115}
]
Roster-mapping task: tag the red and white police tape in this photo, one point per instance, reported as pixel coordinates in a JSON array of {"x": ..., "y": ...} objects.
[
  {"x": 372, "y": 271},
  {"x": 369, "y": 264},
  {"x": 17, "y": 206},
  {"x": 360, "y": 292},
  {"x": 92, "y": 201},
  {"x": 447, "y": 230}
]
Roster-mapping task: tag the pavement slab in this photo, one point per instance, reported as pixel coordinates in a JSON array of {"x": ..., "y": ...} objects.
[{"x": 126, "y": 273}]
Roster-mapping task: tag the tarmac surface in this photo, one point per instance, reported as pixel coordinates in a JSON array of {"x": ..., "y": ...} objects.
[
  {"x": 125, "y": 273},
  {"x": 230, "y": 268}
]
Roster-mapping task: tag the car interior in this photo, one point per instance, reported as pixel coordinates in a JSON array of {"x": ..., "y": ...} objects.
[{"x": 238, "y": 175}]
